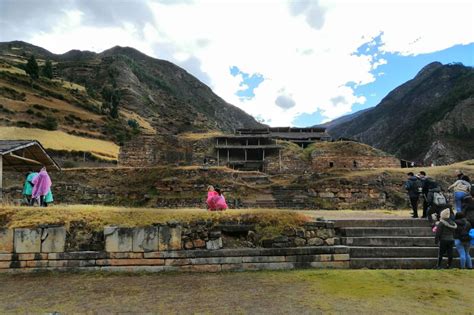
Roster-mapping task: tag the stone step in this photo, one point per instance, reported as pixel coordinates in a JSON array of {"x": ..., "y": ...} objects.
[
  {"x": 398, "y": 263},
  {"x": 389, "y": 241},
  {"x": 400, "y": 252},
  {"x": 386, "y": 231},
  {"x": 380, "y": 223}
]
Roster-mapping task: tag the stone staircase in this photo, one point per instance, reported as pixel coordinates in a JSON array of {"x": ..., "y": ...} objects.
[{"x": 390, "y": 243}]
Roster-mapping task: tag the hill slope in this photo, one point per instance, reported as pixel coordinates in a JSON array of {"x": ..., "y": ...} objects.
[
  {"x": 427, "y": 119},
  {"x": 112, "y": 96}
]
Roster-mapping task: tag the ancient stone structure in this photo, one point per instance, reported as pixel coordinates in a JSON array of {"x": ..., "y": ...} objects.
[
  {"x": 252, "y": 149},
  {"x": 350, "y": 155},
  {"x": 200, "y": 246}
]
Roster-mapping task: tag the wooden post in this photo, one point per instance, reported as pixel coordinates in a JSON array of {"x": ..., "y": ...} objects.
[
  {"x": 263, "y": 155},
  {"x": 228, "y": 156},
  {"x": 245, "y": 155},
  {"x": 218, "y": 162},
  {"x": 1, "y": 177}
]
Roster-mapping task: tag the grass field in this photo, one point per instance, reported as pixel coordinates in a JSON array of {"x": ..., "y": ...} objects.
[
  {"x": 59, "y": 140},
  {"x": 282, "y": 292}
]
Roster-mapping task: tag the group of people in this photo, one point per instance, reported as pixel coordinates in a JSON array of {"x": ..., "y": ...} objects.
[
  {"x": 452, "y": 228},
  {"x": 37, "y": 188},
  {"x": 215, "y": 199}
]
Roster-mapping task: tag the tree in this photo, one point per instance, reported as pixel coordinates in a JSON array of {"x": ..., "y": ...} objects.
[
  {"x": 48, "y": 69},
  {"x": 32, "y": 68}
]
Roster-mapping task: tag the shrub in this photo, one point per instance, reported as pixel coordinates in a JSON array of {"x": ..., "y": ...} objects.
[{"x": 49, "y": 123}]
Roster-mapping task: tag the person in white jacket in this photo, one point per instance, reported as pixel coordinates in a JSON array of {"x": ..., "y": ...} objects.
[{"x": 461, "y": 188}]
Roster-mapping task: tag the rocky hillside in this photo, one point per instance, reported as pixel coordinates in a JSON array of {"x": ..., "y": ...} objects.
[
  {"x": 112, "y": 96},
  {"x": 427, "y": 119}
]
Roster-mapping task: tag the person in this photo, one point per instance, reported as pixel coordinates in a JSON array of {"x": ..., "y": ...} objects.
[
  {"x": 445, "y": 237},
  {"x": 220, "y": 202},
  {"x": 468, "y": 209},
  {"x": 428, "y": 188},
  {"x": 217, "y": 202},
  {"x": 210, "y": 193},
  {"x": 28, "y": 186},
  {"x": 462, "y": 241},
  {"x": 42, "y": 186},
  {"x": 461, "y": 189},
  {"x": 413, "y": 188}
]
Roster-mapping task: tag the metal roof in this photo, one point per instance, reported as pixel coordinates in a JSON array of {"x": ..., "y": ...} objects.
[{"x": 25, "y": 155}]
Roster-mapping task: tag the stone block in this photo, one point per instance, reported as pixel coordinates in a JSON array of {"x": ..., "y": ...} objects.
[
  {"x": 199, "y": 243},
  {"x": 130, "y": 262},
  {"x": 177, "y": 261},
  {"x": 36, "y": 256},
  {"x": 53, "y": 240},
  {"x": 326, "y": 195},
  {"x": 315, "y": 241},
  {"x": 170, "y": 238},
  {"x": 128, "y": 255},
  {"x": 6, "y": 240},
  {"x": 201, "y": 268},
  {"x": 216, "y": 260},
  {"x": 214, "y": 244},
  {"x": 340, "y": 257},
  {"x": 330, "y": 241},
  {"x": 298, "y": 241},
  {"x": 325, "y": 233},
  {"x": 27, "y": 240},
  {"x": 263, "y": 259},
  {"x": 36, "y": 263},
  {"x": 71, "y": 263},
  {"x": 86, "y": 255},
  {"x": 145, "y": 239},
  {"x": 118, "y": 239},
  {"x": 5, "y": 257}
]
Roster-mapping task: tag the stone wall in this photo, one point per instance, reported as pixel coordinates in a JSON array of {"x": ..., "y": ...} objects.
[
  {"x": 172, "y": 247},
  {"x": 323, "y": 163},
  {"x": 186, "y": 187}
]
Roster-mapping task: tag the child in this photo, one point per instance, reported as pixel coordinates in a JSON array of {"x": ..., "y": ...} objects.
[
  {"x": 445, "y": 237},
  {"x": 462, "y": 240},
  {"x": 220, "y": 201}
]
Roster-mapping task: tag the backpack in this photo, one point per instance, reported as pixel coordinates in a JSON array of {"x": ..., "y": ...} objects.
[
  {"x": 464, "y": 235},
  {"x": 439, "y": 199},
  {"x": 418, "y": 186},
  {"x": 471, "y": 235}
]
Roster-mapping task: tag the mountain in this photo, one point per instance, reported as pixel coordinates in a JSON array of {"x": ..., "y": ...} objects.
[
  {"x": 342, "y": 119},
  {"x": 111, "y": 96},
  {"x": 429, "y": 119}
]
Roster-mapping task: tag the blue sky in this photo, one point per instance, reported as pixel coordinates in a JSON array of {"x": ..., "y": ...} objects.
[{"x": 395, "y": 72}]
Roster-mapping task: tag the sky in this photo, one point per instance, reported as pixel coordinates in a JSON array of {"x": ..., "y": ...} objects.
[{"x": 286, "y": 62}]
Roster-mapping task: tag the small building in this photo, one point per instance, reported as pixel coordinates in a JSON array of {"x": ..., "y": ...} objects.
[
  {"x": 23, "y": 155},
  {"x": 350, "y": 155}
]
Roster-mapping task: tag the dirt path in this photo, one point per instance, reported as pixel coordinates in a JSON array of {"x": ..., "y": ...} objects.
[{"x": 303, "y": 292}]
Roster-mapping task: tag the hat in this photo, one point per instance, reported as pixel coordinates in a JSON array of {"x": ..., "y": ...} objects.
[{"x": 445, "y": 214}]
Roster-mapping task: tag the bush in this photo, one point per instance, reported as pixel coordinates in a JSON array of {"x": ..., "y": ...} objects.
[{"x": 49, "y": 123}]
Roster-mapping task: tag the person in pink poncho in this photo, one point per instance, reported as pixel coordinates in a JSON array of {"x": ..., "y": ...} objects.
[
  {"x": 210, "y": 193},
  {"x": 216, "y": 201},
  {"x": 42, "y": 186}
]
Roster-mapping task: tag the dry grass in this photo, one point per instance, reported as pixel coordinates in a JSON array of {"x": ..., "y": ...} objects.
[
  {"x": 99, "y": 216},
  {"x": 190, "y": 136},
  {"x": 466, "y": 166},
  {"x": 59, "y": 140},
  {"x": 144, "y": 124},
  {"x": 71, "y": 85},
  {"x": 11, "y": 69}
]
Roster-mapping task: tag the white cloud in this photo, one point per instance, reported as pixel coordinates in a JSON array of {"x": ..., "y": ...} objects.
[{"x": 303, "y": 48}]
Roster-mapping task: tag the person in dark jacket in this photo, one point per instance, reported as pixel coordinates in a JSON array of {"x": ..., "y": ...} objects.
[
  {"x": 462, "y": 241},
  {"x": 468, "y": 209},
  {"x": 427, "y": 184},
  {"x": 445, "y": 237},
  {"x": 413, "y": 188}
]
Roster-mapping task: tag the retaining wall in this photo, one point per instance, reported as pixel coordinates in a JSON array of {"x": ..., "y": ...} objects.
[{"x": 170, "y": 247}]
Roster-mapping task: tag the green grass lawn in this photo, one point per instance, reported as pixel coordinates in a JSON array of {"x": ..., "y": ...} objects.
[{"x": 269, "y": 292}]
